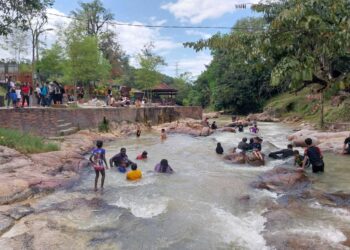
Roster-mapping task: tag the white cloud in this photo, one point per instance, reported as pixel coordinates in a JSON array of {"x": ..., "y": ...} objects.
[
  {"x": 195, "y": 65},
  {"x": 196, "y": 11},
  {"x": 198, "y": 33}
]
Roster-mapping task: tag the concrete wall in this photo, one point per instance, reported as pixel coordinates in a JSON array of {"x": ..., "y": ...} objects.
[{"x": 46, "y": 121}]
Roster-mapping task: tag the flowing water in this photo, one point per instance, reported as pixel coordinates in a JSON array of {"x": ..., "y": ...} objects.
[{"x": 199, "y": 206}]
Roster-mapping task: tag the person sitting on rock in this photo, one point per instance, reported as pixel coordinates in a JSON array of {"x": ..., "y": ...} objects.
[
  {"x": 134, "y": 174},
  {"x": 219, "y": 150},
  {"x": 163, "y": 135},
  {"x": 257, "y": 148},
  {"x": 163, "y": 167},
  {"x": 254, "y": 129},
  {"x": 99, "y": 162},
  {"x": 206, "y": 122},
  {"x": 121, "y": 161},
  {"x": 346, "y": 147},
  {"x": 243, "y": 145},
  {"x": 214, "y": 126},
  {"x": 283, "y": 154},
  {"x": 314, "y": 155},
  {"x": 142, "y": 156}
]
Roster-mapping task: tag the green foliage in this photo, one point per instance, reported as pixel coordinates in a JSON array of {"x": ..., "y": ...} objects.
[
  {"x": 14, "y": 13},
  {"x": 148, "y": 76},
  {"x": 86, "y": 62},
  {"x": 51, "y": 65},
  {"x": 104, "y": 126},
  {"x": 25, "y": 143}
]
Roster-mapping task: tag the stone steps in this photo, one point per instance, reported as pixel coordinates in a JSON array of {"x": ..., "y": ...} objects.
[{"x": 68, "y": 131}]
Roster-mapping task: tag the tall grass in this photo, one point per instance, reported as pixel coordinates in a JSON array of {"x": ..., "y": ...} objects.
[{"x": 25, "y": 143}]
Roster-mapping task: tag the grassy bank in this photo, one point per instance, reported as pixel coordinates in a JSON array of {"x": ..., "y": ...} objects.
[
  {"x": 301, "y": 105},
  {"x": 25, "y": 143}
]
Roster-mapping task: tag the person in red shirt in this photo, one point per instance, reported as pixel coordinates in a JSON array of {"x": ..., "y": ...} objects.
[
  {"x": 25, "y": 94},
  {"x": 142, "y": 156}
]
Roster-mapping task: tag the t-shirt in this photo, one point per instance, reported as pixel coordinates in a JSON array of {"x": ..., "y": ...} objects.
[
  {"x": 347, "y": 141},
  {"x": 240, "y": 128},
  {"x": 44, "y": 90},
  {"x": 314, "y": 154},
  {"x": 254, "y": 130},
  {"x": 158, "y": 168},
  {"x": 37, "y": 90},
  {"x": 243, "y": 146},
  {"x": 98, "y": 156},
  {"x": 140, "y": 157},
  {"x": 25, "y": 90},
  {"x": 134, "y": 175},
  {"x": 219, "y": 150},
  {"x": 256, "y": 146},
  {"x": 18, "y": 93}
]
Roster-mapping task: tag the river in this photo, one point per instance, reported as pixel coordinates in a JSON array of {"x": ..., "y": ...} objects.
[{"x": 198, "y": 207}]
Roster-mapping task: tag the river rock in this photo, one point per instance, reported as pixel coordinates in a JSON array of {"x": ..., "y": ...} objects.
[
  {"x": 281, "y": 179},
  {"x": 19, "y": 212},
  {"x": 211, "y": 115},
  {"x": 5, "y": 223},
  {"x": 187, "y": 126},
  {"x": 327, "y": 141},
  {"x": 227, "y": 129},
  {"x": 263, "y": 117}
]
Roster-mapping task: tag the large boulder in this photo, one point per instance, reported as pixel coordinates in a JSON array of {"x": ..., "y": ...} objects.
[
  {"x": 327, "y": 141},
  {"x": 189, "y": 127},
  {"x": 211, "y": 115},
  {"x": 263, "y": 117},
  {"x": 282, "y": 179}
]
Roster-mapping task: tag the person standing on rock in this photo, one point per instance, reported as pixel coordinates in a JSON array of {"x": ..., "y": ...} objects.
[
  {"x": 99, "y": 163},
  {"x": 240, "y": 127},
  {"x": 313, "y": 154}
]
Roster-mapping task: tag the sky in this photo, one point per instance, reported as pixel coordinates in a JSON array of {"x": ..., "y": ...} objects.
[{"x": 168, "y": 42}]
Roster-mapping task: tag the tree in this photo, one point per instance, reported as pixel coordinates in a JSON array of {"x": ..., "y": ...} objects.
[
  {"x": 91, "y": 17},
  {"x": 86, "y": 63},
  {"x": 17, "y": 43},
  {"x": 51, "y": 65},
  {"x": 183, "y": 85},
  {"x": 14, "y": 13},
  {"x": 148, "y": 76},
  {"x": 306, "y": 39}
]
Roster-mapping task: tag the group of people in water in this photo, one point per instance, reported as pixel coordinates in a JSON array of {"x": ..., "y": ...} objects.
[{"x": 122, "y": 162}]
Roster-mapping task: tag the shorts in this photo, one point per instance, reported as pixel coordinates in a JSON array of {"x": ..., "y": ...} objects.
[
  {"x": 98, "y": 167},
  {"x": 318, "y": 168},
  {"x": 122, "y": 169}
]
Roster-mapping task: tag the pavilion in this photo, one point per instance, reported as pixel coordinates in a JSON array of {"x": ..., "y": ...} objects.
[{"x": 162, "y": 94}]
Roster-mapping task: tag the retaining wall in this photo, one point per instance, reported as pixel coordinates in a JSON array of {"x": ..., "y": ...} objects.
[{"x": 45, "y": 121}]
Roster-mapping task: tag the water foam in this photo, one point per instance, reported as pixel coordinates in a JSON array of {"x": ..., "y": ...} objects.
[
  {"x": 328, "y": 233},
  {"x": 144, "y": 207},
  {"x": 338, "y": 212},
  {"x": 245, "y": 231}
]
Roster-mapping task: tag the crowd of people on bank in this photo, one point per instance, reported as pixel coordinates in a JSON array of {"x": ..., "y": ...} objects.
[{"x": 23, "y": 94}]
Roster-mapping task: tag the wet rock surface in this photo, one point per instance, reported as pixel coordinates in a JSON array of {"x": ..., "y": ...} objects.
[
  {"x": 19, "y": 212},
  {"x": 6, "y": 223},
  {"x": 188, "y": 127}
]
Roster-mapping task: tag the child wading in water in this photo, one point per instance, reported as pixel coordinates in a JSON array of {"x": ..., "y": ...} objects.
[{"x": 99, "y": 163}]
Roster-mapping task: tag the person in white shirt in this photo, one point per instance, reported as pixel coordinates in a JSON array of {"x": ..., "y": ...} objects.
[
  {"x": 18, "y": 93},
  {"x": 38, "y": 94}
]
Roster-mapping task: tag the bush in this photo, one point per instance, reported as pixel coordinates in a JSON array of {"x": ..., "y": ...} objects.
[
  {"x": 104, "y": 126},
  {"x": 25, "y": 143}
]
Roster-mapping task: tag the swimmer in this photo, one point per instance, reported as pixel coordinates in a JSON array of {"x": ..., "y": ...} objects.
[
  {"x": 142, "y": 156},
  {"x": 163, "y": 134},
  {"x": 163, "y": 167},
  {"x": 240, "y": 127},
  {"x": 254, "y": 129},
  {"x": 219, "y": 150},
  {"x": 99, "y": 163},
  {"x": 214, "y": 126},
  {"x": 283, "y": 154},
  {"x": 121, "y": 161},
  {"x": 314, "y": 155},
  {"x": 138, "y": 131},
  {"x": 346, "y": 147},
  {"x": 134, "y": 174}
]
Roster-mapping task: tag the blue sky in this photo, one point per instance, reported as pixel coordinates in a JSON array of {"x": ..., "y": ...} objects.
[
  {"x": 169, "y": 12},
  {"x": 168, "y": 42}
]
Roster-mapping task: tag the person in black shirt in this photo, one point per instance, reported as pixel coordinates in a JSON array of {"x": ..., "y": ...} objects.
[
  {"x": 346, "y": 147},
  {"x": 314, "y": 156},
  {"x": 213, "y": 125},
  {"x": 219, "y": 149},
  {"x": 243, "y": 145},
  {"x": 282, "y": 154},
  {"x": 240, "y": 127}
]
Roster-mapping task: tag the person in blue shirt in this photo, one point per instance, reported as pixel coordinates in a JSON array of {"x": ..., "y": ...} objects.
[{"x": 44, "y": 91}]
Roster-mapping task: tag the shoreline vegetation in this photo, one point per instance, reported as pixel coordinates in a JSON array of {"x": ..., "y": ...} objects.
[{"x": 25, "y": 143}]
